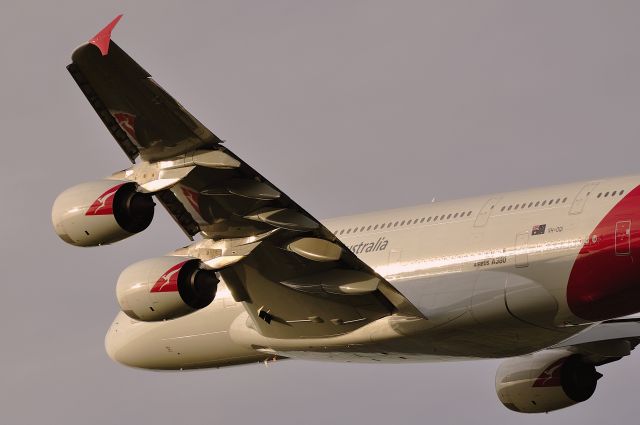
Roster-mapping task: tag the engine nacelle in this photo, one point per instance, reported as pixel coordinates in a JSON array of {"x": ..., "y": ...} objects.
[
  {"x": 101, "y": 212},
  {"x": 165, "y": 288},
  {"x": 545, "y": 381}
]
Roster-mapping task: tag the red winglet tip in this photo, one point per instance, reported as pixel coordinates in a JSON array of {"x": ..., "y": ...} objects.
[{"x": 101, "y": 40}]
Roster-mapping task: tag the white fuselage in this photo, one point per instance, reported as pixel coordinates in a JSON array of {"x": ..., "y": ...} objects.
[{"x": 490, "y": 275}]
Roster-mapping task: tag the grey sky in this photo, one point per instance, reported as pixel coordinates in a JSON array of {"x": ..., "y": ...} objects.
[{"x": 348, "y": 106}]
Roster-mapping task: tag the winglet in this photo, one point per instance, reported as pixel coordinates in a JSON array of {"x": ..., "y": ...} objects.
[{"x": 101, "y": 40}]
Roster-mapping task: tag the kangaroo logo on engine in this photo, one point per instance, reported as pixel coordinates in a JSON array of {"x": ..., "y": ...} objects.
[
  {"x": 168, "y": 282},
  {"x": 104, "y": 204}
]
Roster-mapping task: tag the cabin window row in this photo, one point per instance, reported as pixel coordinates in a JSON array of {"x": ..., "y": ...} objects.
[
  {"x": 614, "y": 193},
  {"x": 532, "y": 204},
  {"x": 399, "y": 223}
]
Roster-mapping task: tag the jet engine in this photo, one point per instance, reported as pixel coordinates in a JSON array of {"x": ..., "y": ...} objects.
[
  {"x": 101, "y": 212},
  {"x": 545, "y": 381},
  {"x": 165, "y": 288}
]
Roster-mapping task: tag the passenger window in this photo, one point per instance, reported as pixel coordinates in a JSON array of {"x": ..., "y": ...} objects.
[
  {"x": 530, "y": 204},
  {"x": 368, "y": 228},
  {"x": 455, "y": 215},
  {"x": 537, "y": 203},
  {"x": 614, "y": 193},
  {"x": 395, "y": 224},
  {"x": 564, "y": 200},
  {"x": 442, "y": 217},
  {"x": 342, "y": 231},
  {"x": 375, "y": 227},
  {"x": 449, "y": 216},
  {"x": 502, "y": 209},
  {"x": 422, "y": 220},
  {"x": 362, "y": 229},
  {"x": 348, "y": 231},
  {"x": 544, "y": 203},
  {"x": 429, "y": 219},
  {"x": 401, "y": 224},
  {"x": 621, "y": 192},
  {"x": 509, "y": 209},
  {"x": 606, "y": 194},
  {"x": 469, "y": 213}
]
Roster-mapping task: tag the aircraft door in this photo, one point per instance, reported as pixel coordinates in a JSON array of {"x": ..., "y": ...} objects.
[
  {"x": 623, "y": 237},
  {"x": 521, "y": 253},
  {"x": 485, "y": 212},
  {"x": 394, "y": 256},
  {"x": 581, "y": 198}
]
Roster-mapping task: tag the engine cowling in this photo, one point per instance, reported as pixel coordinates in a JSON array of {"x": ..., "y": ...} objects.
[
  {"x": 101, "y": 212},
  {"x": 165, "y": 288},
  {"x": 545, "y": 381}
]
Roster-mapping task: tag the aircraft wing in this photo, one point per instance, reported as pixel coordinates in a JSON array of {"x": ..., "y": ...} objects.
[
  {"x": 293, "y": 275},
  {"x": 143, "y": 118},
  {"x": 605, "y": 342}
]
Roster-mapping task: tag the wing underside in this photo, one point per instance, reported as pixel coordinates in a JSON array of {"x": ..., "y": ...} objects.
[
  {"x": 605, "y": 342},
  {"x": 295, "y": 278}
]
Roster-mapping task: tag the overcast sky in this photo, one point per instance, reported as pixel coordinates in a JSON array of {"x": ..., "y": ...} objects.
[{"x": 348, "y": 106}]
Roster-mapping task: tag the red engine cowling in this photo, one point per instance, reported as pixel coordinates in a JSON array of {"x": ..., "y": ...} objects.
[
  {"x": 101, "y": 212},
  {"x": 165, "y": 288},
  {"x": 545, "y": 381}
]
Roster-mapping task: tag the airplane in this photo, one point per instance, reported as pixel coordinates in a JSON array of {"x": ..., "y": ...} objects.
[{"x": 543, "y": 278}]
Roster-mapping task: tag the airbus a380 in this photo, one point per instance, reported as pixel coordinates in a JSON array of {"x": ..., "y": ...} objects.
[{"x": 539, "y": 277}]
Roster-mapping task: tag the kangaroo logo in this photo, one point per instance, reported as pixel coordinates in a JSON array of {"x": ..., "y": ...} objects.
[
  {"x": 193, "y": 198},
  {"x": 550, "y": 377},
  {"x": 168, "y": 282},
  {"x": 127, "y": 122},
  {"x": 104, "y": 204}
]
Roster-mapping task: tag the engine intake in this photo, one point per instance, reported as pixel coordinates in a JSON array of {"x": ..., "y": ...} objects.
[
  {"x": 101, "y": 212},
  {"x": 165, "y": 288},
  {"x": 545, "y": 381}
]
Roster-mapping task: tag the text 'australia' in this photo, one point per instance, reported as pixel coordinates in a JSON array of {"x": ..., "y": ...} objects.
[{"x": 363, "y": 247}]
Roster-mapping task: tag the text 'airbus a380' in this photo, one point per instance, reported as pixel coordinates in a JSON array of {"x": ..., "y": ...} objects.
[{"x": 537, "y": 276}]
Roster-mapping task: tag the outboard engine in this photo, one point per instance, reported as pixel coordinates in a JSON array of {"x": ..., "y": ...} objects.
[{"x": 101, "y": 212}]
